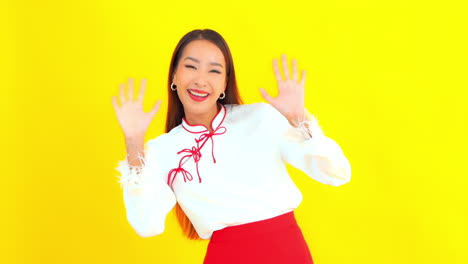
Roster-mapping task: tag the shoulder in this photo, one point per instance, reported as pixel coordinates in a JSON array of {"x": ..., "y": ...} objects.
[
  {"x": 260, "y": 115},
  {"x": 260, "y": 108},
  {"x": 159, "y": 143},
  {"x": 156, "y": 142},
  {"x": 267, "y": 111}
]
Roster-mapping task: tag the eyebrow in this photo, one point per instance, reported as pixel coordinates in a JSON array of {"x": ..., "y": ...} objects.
[{"x": 197, "y": 61}]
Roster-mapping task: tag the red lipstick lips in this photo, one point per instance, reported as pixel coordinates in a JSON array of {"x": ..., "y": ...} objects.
[{"x": 198, "y": 95}]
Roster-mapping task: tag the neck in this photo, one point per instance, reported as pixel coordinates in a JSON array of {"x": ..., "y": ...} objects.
[{"x": 203, "y": 119}]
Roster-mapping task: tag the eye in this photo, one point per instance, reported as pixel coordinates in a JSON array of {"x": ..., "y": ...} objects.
[
  {"x": 190, "y": 66},
  {"x": 218, "y": 72}
]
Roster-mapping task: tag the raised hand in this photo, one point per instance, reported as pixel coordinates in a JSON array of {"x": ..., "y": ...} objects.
[
  {"x": 133, "y": 120},
  {"x": 290, "y": 99}
]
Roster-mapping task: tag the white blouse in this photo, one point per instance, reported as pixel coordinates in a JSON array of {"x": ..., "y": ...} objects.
[{"x": 232, "y": 176}]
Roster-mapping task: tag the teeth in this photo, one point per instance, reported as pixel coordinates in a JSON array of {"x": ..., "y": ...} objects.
[{"x": 198, "y": 94}]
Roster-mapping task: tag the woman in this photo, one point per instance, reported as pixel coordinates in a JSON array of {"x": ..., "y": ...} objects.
[{"x": 221, "y": 162}]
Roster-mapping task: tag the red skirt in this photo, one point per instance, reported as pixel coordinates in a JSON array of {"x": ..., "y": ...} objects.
[{"x": 277, "y": 240}]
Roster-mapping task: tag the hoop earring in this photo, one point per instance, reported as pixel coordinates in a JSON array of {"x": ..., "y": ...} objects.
[
  {"x": 223, "y": 95},
  {"x": 173, "y": 87}
]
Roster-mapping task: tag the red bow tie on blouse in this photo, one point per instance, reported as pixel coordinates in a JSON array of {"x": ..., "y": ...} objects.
[{"x": 194, "y": 152}]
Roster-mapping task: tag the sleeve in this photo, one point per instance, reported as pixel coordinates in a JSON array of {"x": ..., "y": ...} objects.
[
  {"x": 308, "y": 149},
  {"x": 147, "y": 197}
]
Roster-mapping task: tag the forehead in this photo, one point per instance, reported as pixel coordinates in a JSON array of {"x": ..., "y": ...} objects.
[{"x": 204, "y": 51}]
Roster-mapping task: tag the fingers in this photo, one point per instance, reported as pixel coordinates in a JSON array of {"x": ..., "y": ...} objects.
[
  {"x": 294, "y": 69},
  {"x": 303, "y": 77},
  {"x": 114, "y": 103},
  {"x": 155, "y": 108},
  {"x": 130, "y": 89},
  {"x": 122, "y": 93},
  {"x": 265, "y": 95},
  {"x": 277, "y": 71},
  {"x": 141, "y": 94},
  {"x": 131, "y": 83},
  {"x": 285, "y": 67}
]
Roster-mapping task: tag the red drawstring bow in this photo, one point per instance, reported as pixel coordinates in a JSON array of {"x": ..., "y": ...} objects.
[{"x": 194, "y": 153}]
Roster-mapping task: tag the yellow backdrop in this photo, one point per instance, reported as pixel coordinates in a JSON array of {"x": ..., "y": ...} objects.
[{"x": 386, "y": 79}]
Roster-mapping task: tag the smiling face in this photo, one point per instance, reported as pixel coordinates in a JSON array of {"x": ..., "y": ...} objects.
[{"x": 200, "y": 77}]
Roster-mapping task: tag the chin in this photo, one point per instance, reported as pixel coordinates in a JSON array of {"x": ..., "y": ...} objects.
[{"x": 199, "y": 107}]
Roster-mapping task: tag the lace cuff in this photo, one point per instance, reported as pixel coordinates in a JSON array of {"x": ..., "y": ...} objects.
[
  {"x": 131, "y": 176},
  {"x": 309, "y": 128}
]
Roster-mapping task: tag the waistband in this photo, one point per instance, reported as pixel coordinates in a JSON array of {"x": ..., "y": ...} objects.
[{"x": 263, "y": 227}]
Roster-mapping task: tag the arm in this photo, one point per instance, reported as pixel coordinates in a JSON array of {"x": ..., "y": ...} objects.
[
  {"x": 301, "y": 141},
  {"x": 147, "y": 197},
  {"x": 134, "y": 161},
  {"x": 308, "y": 149}
]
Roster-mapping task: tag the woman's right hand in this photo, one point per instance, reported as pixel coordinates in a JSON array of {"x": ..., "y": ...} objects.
[{"x": 133, "y": 120}]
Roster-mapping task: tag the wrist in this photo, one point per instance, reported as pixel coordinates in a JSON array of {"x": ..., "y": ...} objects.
[
  {"x": 295, "y": 119},
  {"x": 135, "y": 137}
]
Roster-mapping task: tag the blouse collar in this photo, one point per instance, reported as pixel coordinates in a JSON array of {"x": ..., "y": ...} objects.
[{"x": 215, "y": 123}]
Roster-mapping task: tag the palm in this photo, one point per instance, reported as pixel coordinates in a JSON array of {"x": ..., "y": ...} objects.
[
  {"x": 290, "y": 99},
  {"x": 133, "y": 120}
]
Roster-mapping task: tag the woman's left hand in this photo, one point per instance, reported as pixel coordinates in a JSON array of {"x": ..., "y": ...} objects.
[{"x": 290, "y": 99}]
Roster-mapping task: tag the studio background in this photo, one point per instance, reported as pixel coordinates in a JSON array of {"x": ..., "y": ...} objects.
[{"x": 386, "y": 80}]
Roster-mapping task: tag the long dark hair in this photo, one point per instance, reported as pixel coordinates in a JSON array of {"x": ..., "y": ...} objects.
[{"x": 175, "y": 109}]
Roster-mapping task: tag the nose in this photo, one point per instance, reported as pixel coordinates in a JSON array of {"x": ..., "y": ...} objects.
[{"x": 200, "y": 80}]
